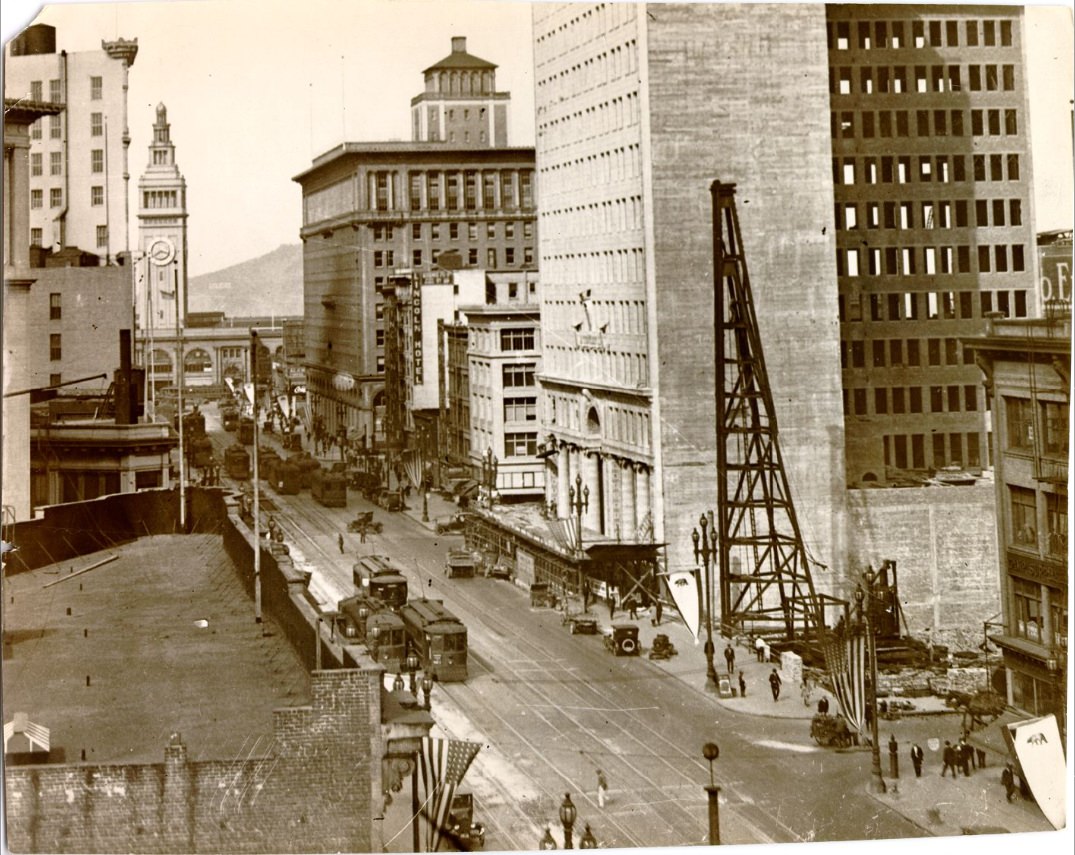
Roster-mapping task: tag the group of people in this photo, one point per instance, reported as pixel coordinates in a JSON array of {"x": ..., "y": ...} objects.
[{"x": 958, "y": 757}]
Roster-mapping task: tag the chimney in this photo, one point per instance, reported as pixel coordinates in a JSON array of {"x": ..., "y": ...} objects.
[{"x": 459, "y": 44}]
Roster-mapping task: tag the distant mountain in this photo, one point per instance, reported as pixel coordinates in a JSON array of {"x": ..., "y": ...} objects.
[{"x": 268, "y": 285}]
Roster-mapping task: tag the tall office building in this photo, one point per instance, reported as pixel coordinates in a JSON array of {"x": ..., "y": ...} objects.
[
  {"x": 639, "y": 109},
  {"x": 934, "y": 223},
  {"x": 78, "y": 158},
  {"x": 161, "y": 278},
  {"x": 455, "y": 197}
]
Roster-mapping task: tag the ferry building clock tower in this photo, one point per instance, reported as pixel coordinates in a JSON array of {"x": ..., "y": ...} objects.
[{"x": 161, "y": 265}]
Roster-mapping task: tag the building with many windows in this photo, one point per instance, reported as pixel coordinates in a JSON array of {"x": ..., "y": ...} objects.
[
  {"x": 639, "y": 109},
  {"x": 78, "y": 158},
  {"x": 934, "y": 223},
  {"x": 1027, "y": 368},
  {"x": 455, "y": 197}
]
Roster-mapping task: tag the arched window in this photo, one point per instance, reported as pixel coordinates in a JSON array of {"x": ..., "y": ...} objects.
[
  {"x": 197, "y": 361},
  {"x": 593, "y": 422},
  {"x": 162, "y": 362}
]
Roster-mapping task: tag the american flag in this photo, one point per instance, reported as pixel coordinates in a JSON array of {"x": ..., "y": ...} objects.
[
  {"x": 444, "y": 763},
  {"x": 566, "y": 532},
  {"x": 846, "y": 661}
]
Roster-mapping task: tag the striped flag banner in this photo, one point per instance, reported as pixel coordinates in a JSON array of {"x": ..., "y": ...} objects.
[
  {"x": 565, "y": 531},
  {"x": 846, "y": 660},
  {"x": 444, "y": 762}
]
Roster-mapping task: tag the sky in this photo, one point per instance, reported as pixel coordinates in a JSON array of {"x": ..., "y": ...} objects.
[{"x": 255, "y": 89}]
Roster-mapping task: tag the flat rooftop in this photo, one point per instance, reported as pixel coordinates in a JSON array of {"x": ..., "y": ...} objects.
[{"x": 165, "y": 636}]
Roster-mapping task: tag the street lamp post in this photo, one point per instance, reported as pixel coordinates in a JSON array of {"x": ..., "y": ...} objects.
[
  {"x": 710, "y": 751},
  {"x": 705, "y": 548},
  {"x": 568, "y": 814},
  {"x": 579, "y": 501},
  {"x": 489, "y": 468},
  {"x": 412, "y": 668},
  {"x": 864, "y": 599}
]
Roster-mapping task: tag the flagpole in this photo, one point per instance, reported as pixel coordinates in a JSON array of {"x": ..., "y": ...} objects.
[
  {"x": 416, "y": 842},
  {"x": 257, "y": 476}
]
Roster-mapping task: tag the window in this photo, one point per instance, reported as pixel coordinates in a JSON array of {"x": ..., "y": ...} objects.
[
  {"x": 380, "y": 190},
  {"x": 490, "y": 258},
  {"x": 416, "y": 231},
  {"x": 102, "y": 236},
  {"x": 518, "y": 376},
  {"x": 1013, "y": 167},
  {"x": 37, "y": 198},
  {"x": 55, "y": 127},
  {"x": 470, "y": 190},
  {"x": 96, "y": 85},
  {"x": 415, "y": 184},
  {"x": 472, "y": 257},
  {"x": 1011, "y": 124},
  {"x": 488, "y": 190},
  {"x": 936, "y": 399},
  {"x": 433, "y": 190},
  {"x": 1056, "y": 516},
  {"x": 509, "y": 255},
  {"x": 472, "y": 231},
  {"x": 97, "y": 160},
  {"x": 55, "y": 347},
  {"x": 56, "y": 197},
  {"x": 36, "y": 237},
  {"x": 517, "y": 339},
  {"x": 970, "y": 398},
  {"x": 520, "y": 409},
  {"x": 1019, "y": 417},
  {"x": 914, "y": 395},
  {"x": 55, "y": 163},
  {"x": 1055, "y": 429},
  {"x": 434, "y": 231},
  {"x": 96, "y": 124},
  {"x": 453, "y": 231},
  {"x": 528, "y": 255},
  {"x": 36, "y": 90},
  {"x": 1008, "y": 75},
  {"x": 1026, "y": 606},
  {"x": 880, "y": 401},
  {"x": 520, "y": 444},
  {"x": 416, "y": 258},
  {"x": 35, "y": 164},
  {"x": 35, "y": 130},
  {"x": 55, "y": 310}
]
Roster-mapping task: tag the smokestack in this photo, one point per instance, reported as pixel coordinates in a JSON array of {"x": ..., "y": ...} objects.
[
  {"x": 459, "y": 44},
  {"x": 127, "y": 383}
]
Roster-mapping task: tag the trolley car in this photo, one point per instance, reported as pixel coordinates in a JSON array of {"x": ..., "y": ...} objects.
[
  {"x": 200, "y": 451},
  {"x": 287, "y": 479},
  {"x": 374, "y": 576},
  {"x": 237, "y": 462},
  {"x": 364, "y": 620},
  {"x": 229, "y": 418},
  {"x": 246, "y": 430},
  {"x": 438, "y": 638},
  {"x": 329, "y": 488}
]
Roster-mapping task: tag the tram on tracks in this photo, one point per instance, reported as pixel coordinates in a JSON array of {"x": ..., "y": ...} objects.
[
  {"x": 366, "y": 620},
  {"x": 237, "y": 462},
  {"x": 246, "y": 430},
  {"x": 438, "y": 638},
  {"x": 329, "y": 488},
  {"x": 375, "y": 576}
]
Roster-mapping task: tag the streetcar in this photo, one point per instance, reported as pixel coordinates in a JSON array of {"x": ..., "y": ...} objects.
[
  {"x": 246, "y": 430},
  {"x": 193, "y": 424},
  {"x": 229, "y": 418},
  {"x": 364, "y": 620},
  {"x": 237, "y": 462},
  {"x": 286, "y": 478},
  {"x": 200, "y": 451},
  {"x": 438, "y": 638},
  {"x": 329, "y": 488},
  {"x": 374, "y": 576}
]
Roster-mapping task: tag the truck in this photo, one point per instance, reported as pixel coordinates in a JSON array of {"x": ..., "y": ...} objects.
[{"x": 459, "y": 564}]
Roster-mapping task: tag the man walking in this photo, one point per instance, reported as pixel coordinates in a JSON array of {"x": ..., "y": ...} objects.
[
  {"x": 658, "y": 611},
  {"x": 916, "y": 759},
  {"x": 339, "y": 542},
  {"x": 602, "y": 789},
  {"x": 950, "y": 759},
  {"x": 729, "y": 657},
  {"x": 1007, "y": 778},
  {"x": 966, "y": 756},
  {"x": 774, "y": 684},
  {"x": 742, "y": 685},
  {"x": 759, "y": 648}
]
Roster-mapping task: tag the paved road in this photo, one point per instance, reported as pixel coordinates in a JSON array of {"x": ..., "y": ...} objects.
[{"x": 551, "y": 708}]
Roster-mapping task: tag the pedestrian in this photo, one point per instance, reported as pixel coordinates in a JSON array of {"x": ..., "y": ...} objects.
[
  {"x": 339, "y": 542},
  {"x": 823, "y": 705},
  {"x": 632, "y": 607},
  {"x": 1007, "y": 778},
  {"x": 729, "y": 657},
  {"x": 742, "y": 685},
  {"x": 759, "y": 648},
  {"x": 950, "y": 758},
  {"x": 585, "y": 595},
  {"x": 774, "y": 684},
  {"x": 611, "y": 599},
  {"x": 362, "y": 533},
  {"x": 893, "y": 756},
  {"x": 602, "y": 789},
  {"x": 966, "y": 756},
  {"x": 658, "y": 610},
  {"x": 916, "y": 759}
]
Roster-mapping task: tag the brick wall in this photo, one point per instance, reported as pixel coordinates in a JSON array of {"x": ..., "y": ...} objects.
[
  {"x": 312, "y": 789},
  {"x": 943, "y": 540}
]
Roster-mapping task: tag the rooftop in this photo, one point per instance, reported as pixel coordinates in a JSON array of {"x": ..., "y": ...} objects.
[{"x": 161, "y": 639}]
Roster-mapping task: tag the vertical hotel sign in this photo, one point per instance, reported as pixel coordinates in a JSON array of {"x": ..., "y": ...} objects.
[{"x": 416, "y": 332}]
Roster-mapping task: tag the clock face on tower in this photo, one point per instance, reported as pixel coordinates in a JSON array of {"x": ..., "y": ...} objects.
[{"x": 161, "y": 252}]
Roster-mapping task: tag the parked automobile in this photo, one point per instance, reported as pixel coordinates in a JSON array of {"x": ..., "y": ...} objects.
[
  {"x": 390, "y": 500},
  {"x": 456, "y": 522}
]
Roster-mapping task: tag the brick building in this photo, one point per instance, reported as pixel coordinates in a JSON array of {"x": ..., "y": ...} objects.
[
  {"x": 457, "y": 196},
  {"x": 934, "y": 223},
  {"x": 1027, "y": 368}
]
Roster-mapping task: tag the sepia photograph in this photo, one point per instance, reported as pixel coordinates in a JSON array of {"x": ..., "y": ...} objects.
[{"x": 500, "y": 425}]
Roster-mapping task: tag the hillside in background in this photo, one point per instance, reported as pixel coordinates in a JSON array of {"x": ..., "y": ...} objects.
[{"x": 268, "y": 285}]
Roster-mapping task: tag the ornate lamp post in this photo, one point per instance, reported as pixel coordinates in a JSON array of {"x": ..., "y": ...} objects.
[
  {"x": 412, "y": 668},
  {"x": 587, "y": 841},
  {"x": 578, "y": 501},
  {"x": 705, "y": 548},
  {"x": 568, "y": 814},
  {"x": 489, "y": 468},
  {"x": 864, "y": 599},
  {"x": 710, "y": 751},
  {"x": 427, "y": 691}
]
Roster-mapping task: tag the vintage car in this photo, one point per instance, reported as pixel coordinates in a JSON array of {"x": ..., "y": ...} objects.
[
  {"x": 456, "y": 522},
  {"x": 622, "y": 640},
  {"x": 459, "y": 564},
  {"x": 831, "y": 731},
  {"x": 466, "y": 834}
]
